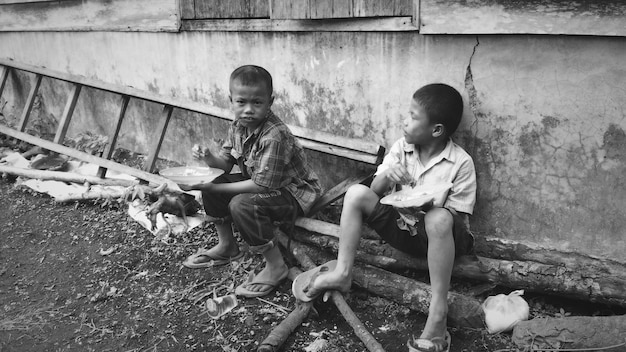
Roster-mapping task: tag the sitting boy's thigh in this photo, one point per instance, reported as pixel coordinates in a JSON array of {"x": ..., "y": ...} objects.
[
  {"x": 216, "y": 204},
  {"x": 384, "y": 220},
  {"x": 277, "y": 204}
]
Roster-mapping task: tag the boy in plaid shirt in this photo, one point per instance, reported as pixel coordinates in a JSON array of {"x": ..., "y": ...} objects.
[{"x": 276, "y": 183}]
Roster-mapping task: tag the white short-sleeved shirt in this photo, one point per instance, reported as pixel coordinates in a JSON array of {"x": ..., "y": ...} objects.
[{"x": 453, "y": 165}]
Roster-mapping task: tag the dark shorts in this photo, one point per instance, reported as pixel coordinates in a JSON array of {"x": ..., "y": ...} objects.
[
  {"x": 384, "y": 221},
  {"x": 253, "y": 214}
]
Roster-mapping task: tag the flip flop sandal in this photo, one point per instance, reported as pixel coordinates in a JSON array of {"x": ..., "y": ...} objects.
[
  {"x": 302, "y": 283},
  {"x": 242, "y": 291},
  {"x": 436, "y": 344},
  {"x": 195, "y": 261}
]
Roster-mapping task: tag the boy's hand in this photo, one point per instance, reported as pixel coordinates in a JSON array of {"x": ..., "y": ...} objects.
[
  {"x": 398, "y": 174},
  {"x": 199, "y": 152}
]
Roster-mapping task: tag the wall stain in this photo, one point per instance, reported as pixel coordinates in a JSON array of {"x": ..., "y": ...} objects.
[
  {"x": 325, "y": 109},
  {"x": 615, "y": 143},
  {"x": 550, "y": 122}
]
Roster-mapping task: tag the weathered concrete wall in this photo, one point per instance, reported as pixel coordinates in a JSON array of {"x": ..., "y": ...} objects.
[{"x": 545, "y": 115}]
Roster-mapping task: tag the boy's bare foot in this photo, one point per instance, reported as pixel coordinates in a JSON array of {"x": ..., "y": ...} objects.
[
  {"x": 221, "y": 251},
  {"x": 215, "y": 256},
  {"x": 436, "y": 326}
]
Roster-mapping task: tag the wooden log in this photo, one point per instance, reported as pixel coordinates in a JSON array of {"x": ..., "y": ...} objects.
[
  {"x": 499, "y": 248},
  {"x": 598, "y": 281},
  {"x": 463, "y": 311},
  {"x": 569, "y": 333},
  {"x": 65, "y": 176},
  {"x": 281, "y": 332},
  {"x": 359, "y": 329},
  {"x": 326, "y": 228},
  {"x": 94, "y": 195}
]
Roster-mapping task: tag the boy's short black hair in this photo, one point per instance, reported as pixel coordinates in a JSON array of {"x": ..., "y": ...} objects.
[
  {"x": 442, "y": 103},
  {"x": 251, "y": 75}
]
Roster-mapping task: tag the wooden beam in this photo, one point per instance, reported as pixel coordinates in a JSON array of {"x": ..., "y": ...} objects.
[
  {"x": 187, "y": 9},
  {"x": 289, "y": 10},
  {"x": 382, "y": 24},
  {"x": 553, "y": 17},
  {"x": 6, "y": 2},
  {"x": 335, "y": 193},
  {"x": 142, "y": 175},
  {"x": 154, "y": 154},
  {"x": 322, "y": 9},
  {"x": 91, "y": 15},
  {"x": 3, "y": 78},
  {"x": 30, "y": 101},
  {"x": 110, "y": 147},
  {"x": 232, "y": 9},
  {"x": 64, "y": 124}
]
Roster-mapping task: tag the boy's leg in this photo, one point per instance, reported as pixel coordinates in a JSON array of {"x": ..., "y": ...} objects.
[
  {"x": 254, "y": 215},
  {"x": 358, "y": 204},
  {"x": 216, "y": 205},
  {"x": 227, "y": 244},
  {"x": 439, "y": 225}
]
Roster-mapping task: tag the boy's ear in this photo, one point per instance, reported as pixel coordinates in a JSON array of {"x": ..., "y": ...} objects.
[
  {"x": 271, "y": 100},
  {"x": 230, "y": 98},
  {"x": 439, "y": 130}
]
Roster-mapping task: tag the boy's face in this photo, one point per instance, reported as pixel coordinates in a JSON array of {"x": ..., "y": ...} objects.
[
  {"x": 250, "y": 103},
  {"x": 418, "y": 129}
]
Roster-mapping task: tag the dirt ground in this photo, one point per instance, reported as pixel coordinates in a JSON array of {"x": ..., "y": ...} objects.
[
  {"x": 59, "y": 293},
  {"x": 87, "y": 277}
]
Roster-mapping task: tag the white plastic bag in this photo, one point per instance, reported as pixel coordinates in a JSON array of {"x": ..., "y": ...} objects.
[{"x": 503, "y": 312}]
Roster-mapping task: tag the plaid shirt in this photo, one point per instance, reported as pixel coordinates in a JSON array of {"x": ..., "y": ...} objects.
[{"x": 272, "y": 157}]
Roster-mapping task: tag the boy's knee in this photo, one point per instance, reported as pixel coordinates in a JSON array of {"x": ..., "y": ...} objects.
[
  {"x": 238, "y": 205},
  {"x": 438, "y": 222},
  {"x": 356, "y": 194}
]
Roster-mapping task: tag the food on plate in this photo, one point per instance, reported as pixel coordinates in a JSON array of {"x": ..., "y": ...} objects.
[{"x": 403, "y": 197}]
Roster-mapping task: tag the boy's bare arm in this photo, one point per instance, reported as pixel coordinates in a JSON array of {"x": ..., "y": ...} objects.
[
  {"x": 380, "y": 184},
  {"x": 245, "y": 186},
  {"x": 395, "y": 174}
]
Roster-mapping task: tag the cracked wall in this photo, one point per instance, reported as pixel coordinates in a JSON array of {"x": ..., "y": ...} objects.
[
  {"x": 544, "y": 118},
  {"x": 550, "y": 122}
]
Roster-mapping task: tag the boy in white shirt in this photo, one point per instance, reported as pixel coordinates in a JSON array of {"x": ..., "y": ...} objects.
[{"x": 438, "y": 229}]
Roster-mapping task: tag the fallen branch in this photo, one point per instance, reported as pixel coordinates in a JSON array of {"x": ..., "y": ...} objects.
[
  {"x": 281, "y": 332},
  {"x": 359, "y": 329},
  {"x": 110, "y": 194}
]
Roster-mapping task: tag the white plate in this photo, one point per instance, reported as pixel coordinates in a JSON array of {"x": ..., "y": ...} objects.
[
  {"x": 191, "y": 175},
  {"x": 420, "y": 195}
]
